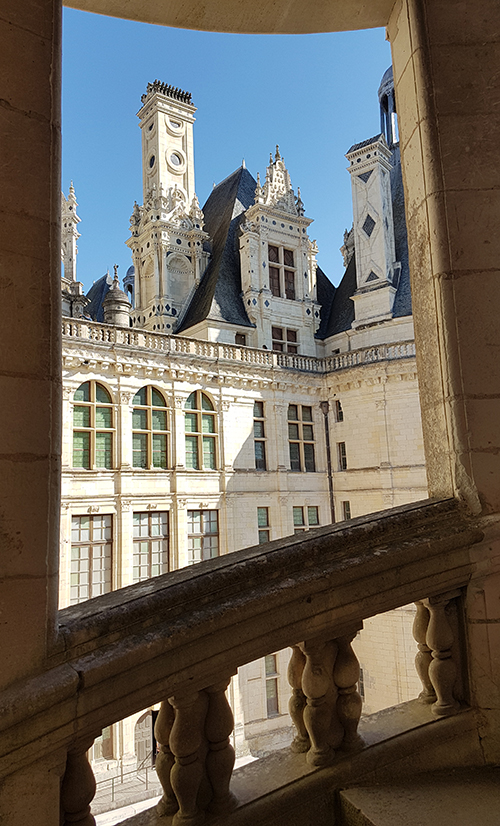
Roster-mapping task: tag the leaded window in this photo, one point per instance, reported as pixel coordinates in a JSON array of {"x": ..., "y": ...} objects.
[
  {"x": 91, "y": 546},
  {"x": 301, "y": 438},
  {"x": 201, "y": 432},
  {"x": 203, "y": 535},
  {"x": 150, "y": 544},
  {"x": 93, "y": 427},
  {"x": 149, "y": 429}
]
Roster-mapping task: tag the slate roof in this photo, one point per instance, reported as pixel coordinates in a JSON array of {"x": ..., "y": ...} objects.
[
  {"x": 325, "y": 292},
  {"x": 97, "y": 294},
  {"x": 357, "y": 146},
  {"x": 218, "y": 295}
]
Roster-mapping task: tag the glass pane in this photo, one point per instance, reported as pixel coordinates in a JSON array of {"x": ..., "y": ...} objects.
[
  {"x": 307, "y": 432},
  {"x": 194, "y": 521},
  {"x": 103, "y": 417},
  {"x": 292, "y": 412},
  {"x": 157, "y": 399},
  {"x": 277, "y": 333},
  {"x": 290, "y": 285},
  {"x": 159, "y": 450},
  {"x": 139, "y": 450},
  {"x": 210, "y": 524},
  {"x": 309, "y": 458},
  {"x": 191, "y": 422},
  {"x": 312, "y": 516},
  {"x": 191, "y": 402},
  {"x": 270, "y": 662},
  {"x": 101, "y": 394},
  {"x": 307, "y": 414},
  {"x": 103, "y": 446},
  {"x": 274, "y": 281},
  {"x": 159, "y": 419},
  {"x": 83, "y": 393},
  {"x": 263, "y": 537},
  {"x": 192, "y": 452},
  {"x": 260, "y": 455},
  {"x": 293, "y": 431},
  {"x": 291, "y": 335},
  {"x": 258, "y": 429},
  {"x": 298, "y": 516},
  {"x": 288, "y": 258},
  {"x": 139, "y": 419},
  {"x": 209, "y": 452},
  {"x": 81, "y": 450},
  {"x": 207, "y": 423},
  {"x": 81, "y": 417},
  {"x": 294, "y": 456},
  {"x": 272, "y": 697},
  {"x": 140, "y": 396},
  {"x": 258, "y": 410},
  {"x": 210, "y": 547},
  {"x": 206, "y": 404},
  {"x": 273, "y": 253},
  {"x": 263, "y": 517}
]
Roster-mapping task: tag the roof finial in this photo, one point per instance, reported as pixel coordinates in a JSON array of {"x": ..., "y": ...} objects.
[
  {"x": 116, "y": 283},
  {"x": 243, "y": 164},
  {"x": 278, "y": 156}
]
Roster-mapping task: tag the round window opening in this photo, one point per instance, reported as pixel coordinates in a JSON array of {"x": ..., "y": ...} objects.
[
  {"x": 175, "y": 124},
  {"x": 175, "y": 159},
  {"x": 152, "y": 161}
]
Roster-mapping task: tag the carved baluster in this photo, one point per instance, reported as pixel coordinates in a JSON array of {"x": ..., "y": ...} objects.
[
  {"x": 297, "y": 702},
  {"x": 220, "y": 758},
  {"x": 321, "y": 694},
  {"x": 165, "y": 759},
  {"x": 442, "y": 670},
  {"x": 349, "y": 703},
  {"x": 423, "y": 657},
  {"x": 78, "y": 787},
  {"x": 186, "y": 744}
]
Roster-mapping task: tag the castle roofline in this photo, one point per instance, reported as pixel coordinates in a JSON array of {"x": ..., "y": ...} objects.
[{"x": 169, "y": 91}]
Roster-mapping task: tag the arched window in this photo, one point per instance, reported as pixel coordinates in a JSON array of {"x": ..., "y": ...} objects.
[
  {"x": 93, "y": 427},
  {"x": 201, "y": 432},
  {"x": 150, "y": 429}
]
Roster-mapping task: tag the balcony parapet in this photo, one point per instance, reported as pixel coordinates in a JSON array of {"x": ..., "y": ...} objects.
[
  {"x": 121, "y": 652},
  {"x": 180, "y": 347}
]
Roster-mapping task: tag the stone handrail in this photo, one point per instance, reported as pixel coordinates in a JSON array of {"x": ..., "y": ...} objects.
[
  {"x": 166, "y": 636},
  {"x": 179, "y": 345}
]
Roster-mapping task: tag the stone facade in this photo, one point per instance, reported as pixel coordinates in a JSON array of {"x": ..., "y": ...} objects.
[{"x": 296, "y": 438}]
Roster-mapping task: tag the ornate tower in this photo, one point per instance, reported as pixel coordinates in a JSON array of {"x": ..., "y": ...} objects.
[
  {"x": 73, "y": 299},
  {"x": 377, "y": 271},
  {"x": 167, "y": 238},
  {"x": 278, "y": 266}
]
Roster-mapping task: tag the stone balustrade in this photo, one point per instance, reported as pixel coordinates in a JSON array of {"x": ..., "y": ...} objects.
[
  {"x": 179, "y": 346},
  {"x": 178, "y": 637}
]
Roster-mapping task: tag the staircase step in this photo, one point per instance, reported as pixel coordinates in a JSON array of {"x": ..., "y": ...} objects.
[{"x": 465, "y": 797}]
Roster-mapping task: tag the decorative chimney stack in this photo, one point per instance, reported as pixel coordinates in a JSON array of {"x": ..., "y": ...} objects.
[{"x": 116, "y": 305}]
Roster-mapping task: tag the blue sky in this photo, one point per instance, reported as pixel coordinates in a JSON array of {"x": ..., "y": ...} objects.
[{"x": 314, "y": 95}]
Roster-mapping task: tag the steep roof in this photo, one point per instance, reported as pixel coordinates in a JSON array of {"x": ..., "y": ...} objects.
[
  {"x": 341, "y": 313},
  {"x": 369, "y": 141},
  {"x": 218, "y": 295},
  {"x": 325, "y": 292},
  {"x": 97, "y": 294}
]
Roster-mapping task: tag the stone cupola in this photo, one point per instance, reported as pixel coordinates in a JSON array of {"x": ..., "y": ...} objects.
[{"x": 116, "y": 306}]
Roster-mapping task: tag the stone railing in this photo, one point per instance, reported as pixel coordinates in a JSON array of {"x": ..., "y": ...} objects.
[
  {"x": 178, "y": 345},
  {"x": 179, "y": 637}
]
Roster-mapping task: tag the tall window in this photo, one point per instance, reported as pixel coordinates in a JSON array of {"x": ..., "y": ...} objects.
[
  {"x": 271, "y": 685},
  {"x": 92, "y": 427},
  {"x": 305, "y": 518},
  {"x": 301, "y": 437},
  {"x": 150, "y": 429},
  {"x": 203, "y": 535},
  {"x": 281, "y": 272},
  {"x": 263, "y": 524},
  {"x": 339, "y": 413},
  {"x": 284, "y": 341},
  {"x": 200, "y": 432},
  {"x": 90, "y": 574},
  {"x": 150, "y": 552},
  {"x": 342, "y": 455},
  {"x": 346, "y": 510},
  {"x": 259, "y": 436}
]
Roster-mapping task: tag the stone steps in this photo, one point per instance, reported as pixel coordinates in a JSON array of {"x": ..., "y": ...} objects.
[{"x": 465, "y": 797}]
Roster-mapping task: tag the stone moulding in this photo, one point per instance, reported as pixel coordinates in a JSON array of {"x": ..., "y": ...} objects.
[{"x": 120, "y": 652}]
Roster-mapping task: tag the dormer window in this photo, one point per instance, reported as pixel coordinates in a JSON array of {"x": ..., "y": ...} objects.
[{"x": 281, "y": 272}]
